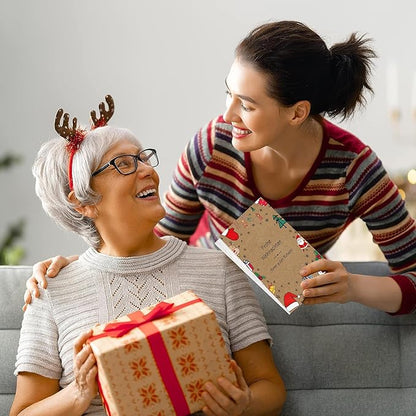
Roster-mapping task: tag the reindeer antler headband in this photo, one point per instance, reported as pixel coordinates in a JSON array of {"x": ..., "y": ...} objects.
[{"x": 74, "y": 135}]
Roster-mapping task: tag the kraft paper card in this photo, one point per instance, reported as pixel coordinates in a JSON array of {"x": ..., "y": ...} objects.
[{"x": 270, "y": 251}]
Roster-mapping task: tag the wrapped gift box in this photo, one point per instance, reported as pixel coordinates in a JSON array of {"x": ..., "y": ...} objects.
[{"x": 156, "y": 361}]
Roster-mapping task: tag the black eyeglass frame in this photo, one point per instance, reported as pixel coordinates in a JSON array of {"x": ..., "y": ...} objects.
[{"x": 136, "y": 159}]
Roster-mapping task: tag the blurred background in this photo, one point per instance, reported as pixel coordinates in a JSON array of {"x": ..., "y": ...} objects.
[{"x": 164, "y": 62}]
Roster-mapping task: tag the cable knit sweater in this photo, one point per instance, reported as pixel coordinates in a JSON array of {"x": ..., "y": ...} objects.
[
  {"x": 347, "y": 181},
  {"x": 98, "y": 288}
]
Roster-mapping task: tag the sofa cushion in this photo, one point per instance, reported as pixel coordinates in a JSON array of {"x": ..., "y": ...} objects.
[
  {"x": 335, "y": 359},
  {"x": 12, "y": 283}
]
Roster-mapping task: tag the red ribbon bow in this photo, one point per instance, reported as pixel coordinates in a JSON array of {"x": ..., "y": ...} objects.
[{"x": 118, "y": 329}]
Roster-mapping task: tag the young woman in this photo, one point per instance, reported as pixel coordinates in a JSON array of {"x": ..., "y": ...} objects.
[
  {"x": 273, "y": 141},
  {"x": 104, "y": 187}
]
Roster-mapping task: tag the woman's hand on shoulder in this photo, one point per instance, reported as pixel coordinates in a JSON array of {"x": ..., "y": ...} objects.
[
  {"x": 333, "y": 285},
  {"x": 40, "y": 270},
  {"x": 228, "y": 398}
]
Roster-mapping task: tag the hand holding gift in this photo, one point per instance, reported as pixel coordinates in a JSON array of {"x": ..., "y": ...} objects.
[
  {"x": 232, "y": 398},
  {"x": 85, "y": 369}
]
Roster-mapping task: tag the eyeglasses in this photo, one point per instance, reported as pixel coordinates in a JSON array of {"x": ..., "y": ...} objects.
[{"x": 127, "y": 164}]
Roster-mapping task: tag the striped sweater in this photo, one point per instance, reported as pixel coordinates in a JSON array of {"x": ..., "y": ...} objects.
[{"x": 347, "y": 181}]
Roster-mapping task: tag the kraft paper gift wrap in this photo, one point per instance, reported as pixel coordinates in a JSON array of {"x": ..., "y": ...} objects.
[{"x": 156, "y": 361}]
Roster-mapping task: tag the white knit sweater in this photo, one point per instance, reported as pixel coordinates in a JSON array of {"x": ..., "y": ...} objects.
[{"x": 98, "y": 288}]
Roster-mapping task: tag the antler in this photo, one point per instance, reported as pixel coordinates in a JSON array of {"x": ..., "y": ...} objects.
[
  {"x": 104, "y": 115},
  {"x": 65, "y": 131}
]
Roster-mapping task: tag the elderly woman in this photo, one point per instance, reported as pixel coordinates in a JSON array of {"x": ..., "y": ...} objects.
[{"x": 102, "y": 185}]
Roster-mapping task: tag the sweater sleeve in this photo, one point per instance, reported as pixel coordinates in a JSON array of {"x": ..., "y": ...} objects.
[
  {"x": 38, "y": 350},
  {"x": 245, "y": 319},
  {"x": 376, "y": 200},
  {"x": 183, "y": 207}
]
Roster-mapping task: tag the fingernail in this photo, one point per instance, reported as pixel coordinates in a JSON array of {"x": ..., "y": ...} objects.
[{"x": 306, "y": 292}]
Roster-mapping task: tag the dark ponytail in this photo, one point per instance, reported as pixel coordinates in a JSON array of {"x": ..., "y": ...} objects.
[
  {"x": 351, "y": 67},
  {"x": 299, "y": 66}
]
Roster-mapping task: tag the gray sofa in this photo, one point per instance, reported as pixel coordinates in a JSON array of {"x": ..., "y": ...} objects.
[{"x": 335, "y": 359}]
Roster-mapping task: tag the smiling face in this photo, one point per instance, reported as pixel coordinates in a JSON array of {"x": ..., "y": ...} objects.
[
  {"x": 130, "y": 206},
  {"x": 258, "y": 120}
]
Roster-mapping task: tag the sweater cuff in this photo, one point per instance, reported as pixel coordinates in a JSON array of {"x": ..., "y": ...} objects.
[{"x": 408, "y": 288}]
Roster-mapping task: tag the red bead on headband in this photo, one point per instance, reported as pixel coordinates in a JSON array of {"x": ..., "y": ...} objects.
[{"x": 74, "y": 136}]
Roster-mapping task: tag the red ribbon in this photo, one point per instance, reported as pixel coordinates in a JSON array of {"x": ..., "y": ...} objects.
[
  {"x": 74, "y": 142},
  {"x": 119, "y": 329},
  {"x": 157, "y": 346}
]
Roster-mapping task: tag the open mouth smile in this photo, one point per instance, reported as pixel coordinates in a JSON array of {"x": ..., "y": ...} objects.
[
  {"x": 146, "y": 193},
  {"x": 239, "y": 133}
]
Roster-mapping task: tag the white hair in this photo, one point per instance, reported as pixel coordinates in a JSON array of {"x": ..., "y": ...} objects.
[{"x": 50, "y": 170}]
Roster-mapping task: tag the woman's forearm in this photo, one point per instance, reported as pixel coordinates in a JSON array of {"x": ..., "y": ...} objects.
[
  {"x": 376, "y": 292},
  {"x": 65, "y": 402},
  {"x": 267, "y": 398}
]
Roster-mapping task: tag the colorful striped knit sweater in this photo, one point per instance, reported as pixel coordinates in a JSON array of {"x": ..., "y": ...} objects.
[{"x": 347, "y": 181}]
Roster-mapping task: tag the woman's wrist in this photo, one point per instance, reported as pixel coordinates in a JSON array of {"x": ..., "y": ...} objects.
[
  {"x": 354, "y": 288},
  {"x": 80, "y": 400}
]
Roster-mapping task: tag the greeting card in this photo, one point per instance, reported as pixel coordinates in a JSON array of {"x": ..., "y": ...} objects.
[{"x": 270, "y": 251}]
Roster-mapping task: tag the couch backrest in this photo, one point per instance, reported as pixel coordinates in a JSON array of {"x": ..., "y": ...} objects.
[
  {"x": 335, "y": 359},
  {"x": 345, "y": 359}
]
